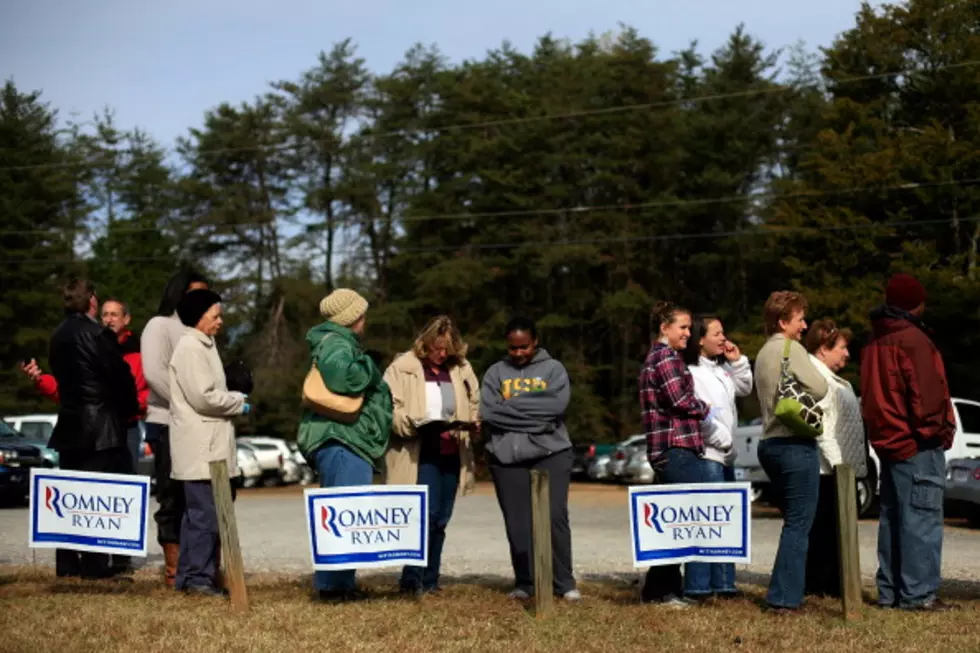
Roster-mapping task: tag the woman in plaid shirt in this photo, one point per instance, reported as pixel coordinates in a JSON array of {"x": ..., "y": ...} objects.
[{"x": 672, "y": 416}]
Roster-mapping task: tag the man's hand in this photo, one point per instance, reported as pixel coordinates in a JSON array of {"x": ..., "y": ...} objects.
[{"x": 31, "y": 369}]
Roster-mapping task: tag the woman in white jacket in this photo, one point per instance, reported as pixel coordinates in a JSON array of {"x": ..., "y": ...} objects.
[
  {"x": 842, "y": 441},
  {"x": 721, "y": 373}
]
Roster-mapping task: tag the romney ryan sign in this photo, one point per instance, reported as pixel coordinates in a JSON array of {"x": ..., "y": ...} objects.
[
  {"x": 707, "y": 522},
  {"x": 368, "y": 526},
  {"x": 87, "y": 511}
]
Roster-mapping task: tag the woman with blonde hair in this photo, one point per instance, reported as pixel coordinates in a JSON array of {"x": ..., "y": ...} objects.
[{"x": 436, "y": 400}]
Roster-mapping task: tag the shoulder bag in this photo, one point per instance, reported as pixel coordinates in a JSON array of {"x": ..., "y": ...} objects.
[
  {"x": 796, "y": 408},
  {"x": 321, "y": 400}
]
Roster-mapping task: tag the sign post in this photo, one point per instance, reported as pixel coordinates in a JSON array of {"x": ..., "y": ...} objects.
[
  {"x": 541, "y": 529},
  {"x": 704, "y": 522},
  {"x": 228, "y": 532},
  {"x": 88, "y": 511},
  {"x": 368, "y": 526},
  {"x": 847, "y": 542}
]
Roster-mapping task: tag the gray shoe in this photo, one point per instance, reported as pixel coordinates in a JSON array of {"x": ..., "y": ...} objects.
[{"x": 519, "y": 595}]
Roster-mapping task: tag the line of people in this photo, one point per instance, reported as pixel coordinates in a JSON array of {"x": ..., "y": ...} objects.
[{"x": 417, "y": 421}]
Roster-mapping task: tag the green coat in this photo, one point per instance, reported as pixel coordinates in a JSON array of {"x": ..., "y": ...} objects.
[{"x": 347, "y": 370}]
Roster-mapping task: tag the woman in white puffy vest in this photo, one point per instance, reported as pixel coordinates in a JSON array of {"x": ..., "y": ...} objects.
[{"x": 842, "y": 442}]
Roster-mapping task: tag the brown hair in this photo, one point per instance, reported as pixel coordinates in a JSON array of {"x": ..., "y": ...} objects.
[
  {"x": 781, "y": 306},
  {"x": 824, "y": 333},
  {"x": 664, "y": 313},
  {"x": 441, "y": 326},
  {"x": 77, "y": 295}
]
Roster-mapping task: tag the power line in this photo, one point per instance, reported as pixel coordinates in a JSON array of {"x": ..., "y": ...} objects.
[
  {"x": 586, "y": 113},
  {"x": 556, "y": 211},
  {"x": 763, "y": 230}
]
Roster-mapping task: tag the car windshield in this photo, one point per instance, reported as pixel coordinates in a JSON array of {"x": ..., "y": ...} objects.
[{"x": 7, "y": 431}]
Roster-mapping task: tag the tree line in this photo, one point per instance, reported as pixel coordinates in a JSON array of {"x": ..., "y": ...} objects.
[{"x": 576, "y": 184}]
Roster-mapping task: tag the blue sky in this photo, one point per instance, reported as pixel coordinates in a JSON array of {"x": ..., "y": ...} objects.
[{"x": 162, "y": 64}]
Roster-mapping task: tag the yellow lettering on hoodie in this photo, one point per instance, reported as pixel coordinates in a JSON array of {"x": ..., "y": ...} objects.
[{"x": 514, "y": 387}]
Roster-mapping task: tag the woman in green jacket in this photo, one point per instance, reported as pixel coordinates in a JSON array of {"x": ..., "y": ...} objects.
[{"x": 345, "y": 454}]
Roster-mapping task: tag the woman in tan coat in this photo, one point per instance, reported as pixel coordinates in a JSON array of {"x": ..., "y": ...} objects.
[
  {"x": 436, "y": 398},
  {"x": 201, "y": 408}
]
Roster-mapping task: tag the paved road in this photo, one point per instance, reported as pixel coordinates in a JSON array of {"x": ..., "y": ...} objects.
[{"x": 273, "y": 537}]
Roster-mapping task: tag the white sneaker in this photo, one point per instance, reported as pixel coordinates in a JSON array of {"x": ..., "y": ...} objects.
[
  {"x": 676, "y": 603},
  {"x": 572, "y": 596},
  {"x": 519, "y": 595}
]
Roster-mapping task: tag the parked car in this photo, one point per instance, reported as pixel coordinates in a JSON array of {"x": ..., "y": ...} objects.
[
  {"x": 37, "y": 429},
  {"x": 270, "y": 460},
  {"x": 291, "y": 472},
  {"x": 599, "y": 467},
  {"x": 307, "y": 474},
  {"x": 966, "y": 444},
  {"x": 963, "y": 488},
  {"x": 584, "y": 454},
  {"x": 249, "y": 466},
  {"x": 619, "y": 459},
  {"x": 638, "y": 471},
  {"x": 17, "y": 457}
]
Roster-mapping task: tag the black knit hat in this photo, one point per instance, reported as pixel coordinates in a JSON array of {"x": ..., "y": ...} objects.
[{"x": 195, "y": 304}]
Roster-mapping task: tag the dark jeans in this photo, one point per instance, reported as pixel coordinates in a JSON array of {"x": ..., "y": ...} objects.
[
  {"x": 81, "y": 563},
  {"x": 512, "y": 484},
  {"x": 793, "y": 467},
  {"x": 910, "y": 530},
  {"x": 200, "y": 544},
  {"x": 823, "y": 557},
  {"x": 441, "y": 475},
  {"x": 170, "y": 493},
  {"x": 706, "y": 578},
  {"x": 338, "y": 466},
  {"x": 664, "y": 582}
]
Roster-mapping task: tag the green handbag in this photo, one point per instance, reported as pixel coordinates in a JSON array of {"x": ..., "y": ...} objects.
[{"x": 796, "y": 408}]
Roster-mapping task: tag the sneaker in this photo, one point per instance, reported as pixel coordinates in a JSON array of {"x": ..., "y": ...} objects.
[
  {"x": 572, "y": 596},
  {"x": 204, "y": 590},
  {"x": 935, "y": 605},
  {"x": 675, "y": 603},
  {"x": 519, "y": 595}
]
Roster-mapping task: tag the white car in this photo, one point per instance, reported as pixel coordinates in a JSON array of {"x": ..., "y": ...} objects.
[
  {"x": 620, "y": 457},
  {"x": 966, "y": 444},
  {"x": 291, "y": 472},
  {"x": 270, "y": 459},
  {"x": 249, "y": 466}
]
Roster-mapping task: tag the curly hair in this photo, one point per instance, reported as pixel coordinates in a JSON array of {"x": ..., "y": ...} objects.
[
  {"x": 441, "y": 326},
  {"x": 781, "y": 306}
]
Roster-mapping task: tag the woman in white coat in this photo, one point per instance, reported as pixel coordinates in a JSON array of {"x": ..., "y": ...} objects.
[
  {"x": 201, "y": 431},
  {"x": 842, "y": 441},
  {"x": 721, "y": 373}
]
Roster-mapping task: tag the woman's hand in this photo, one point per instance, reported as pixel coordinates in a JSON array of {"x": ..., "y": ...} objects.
[{"x": 732, "y": 352}]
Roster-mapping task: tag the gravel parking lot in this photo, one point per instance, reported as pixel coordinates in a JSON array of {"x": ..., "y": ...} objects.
[{"x": 273, "y": 538}]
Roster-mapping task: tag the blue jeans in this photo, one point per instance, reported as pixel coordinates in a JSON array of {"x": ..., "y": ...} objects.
[
  {"x": 664, "y": 582},
  {"x": 134, "y": 442},
  {"x": 793, "y": 467},
  {"x": 441, "y": 475},
  {"x": 910, "y": 530},
  {"x": 338, "y": 466},
  {"x": 706, "y": 578}
]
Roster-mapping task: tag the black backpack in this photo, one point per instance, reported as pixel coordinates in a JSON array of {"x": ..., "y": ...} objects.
[{"x": 239, "y": 377}]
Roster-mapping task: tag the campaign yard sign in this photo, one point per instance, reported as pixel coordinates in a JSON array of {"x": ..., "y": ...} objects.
[
  {"x": 88, "y": 511},
  {"x": 363, "y": 527},
  {"x": 703, "y": 522}
]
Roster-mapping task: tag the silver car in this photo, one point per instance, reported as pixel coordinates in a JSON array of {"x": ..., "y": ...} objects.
[{"x": 963, "y": 487}]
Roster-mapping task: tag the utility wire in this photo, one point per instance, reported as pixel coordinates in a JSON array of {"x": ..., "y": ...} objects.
[
  {"x": 586, "y": 113},
  {"x": 556, "y": 211},
  {"x": 762, "y": 230}
]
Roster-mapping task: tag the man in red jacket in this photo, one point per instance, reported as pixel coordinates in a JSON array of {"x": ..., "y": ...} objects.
[
  {"x": 115, "y": 315},
  {"x": 910, "y": 421}
]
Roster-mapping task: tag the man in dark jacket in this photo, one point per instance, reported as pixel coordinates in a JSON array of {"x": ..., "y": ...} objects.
[
  {"x": 98, "y": 395},
  {"x": 910, "y": 423}
]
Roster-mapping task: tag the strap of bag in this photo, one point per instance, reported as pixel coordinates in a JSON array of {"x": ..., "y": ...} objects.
[{"x": 316, "y": 352}]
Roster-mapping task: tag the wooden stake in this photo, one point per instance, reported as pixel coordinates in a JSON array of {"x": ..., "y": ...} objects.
[
  {"x": 847, "y": 542},
  {"x": 541, "y": 528},
  {"x": 231, "y": 552}
]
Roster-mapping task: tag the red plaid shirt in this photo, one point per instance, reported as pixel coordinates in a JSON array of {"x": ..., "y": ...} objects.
[{"x": 672, "y": 414}]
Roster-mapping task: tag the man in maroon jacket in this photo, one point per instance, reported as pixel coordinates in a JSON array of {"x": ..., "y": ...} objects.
[{"x": 910, "y": 423}]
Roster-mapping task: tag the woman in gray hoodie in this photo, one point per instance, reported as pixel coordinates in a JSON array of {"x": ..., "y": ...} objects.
[{"x": 523, "y": 404}]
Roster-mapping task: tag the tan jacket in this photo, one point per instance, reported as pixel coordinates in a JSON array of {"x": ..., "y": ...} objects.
[
  {"x": 767, "y": 372},
  {"x": 201, "y": 408},
  {"x": 407, "y": 382}
]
